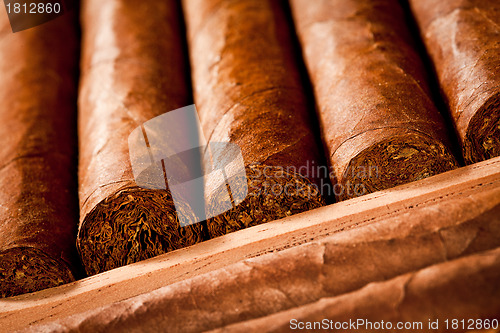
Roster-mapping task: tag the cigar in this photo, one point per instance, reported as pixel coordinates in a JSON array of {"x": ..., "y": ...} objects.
[
  {"x": 462, "y": 289},
  {"x": 248, "y": 91},
  {"x": 39, "y": 210},
  {"x": 133, "y": 70},
  {"x": 379, "y": 124},
  {"x": 339, "y": 264},
  {"x": 461, "y": 38}
]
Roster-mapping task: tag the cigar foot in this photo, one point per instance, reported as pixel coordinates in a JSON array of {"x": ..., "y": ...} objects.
[
  {"x": 132, "y": 225},
  {"x": 482, "y": 140},
  {"x": 273, "y": 193},
  {"x": 26, "y": 269},
  {"x": 394, "y": 161}
]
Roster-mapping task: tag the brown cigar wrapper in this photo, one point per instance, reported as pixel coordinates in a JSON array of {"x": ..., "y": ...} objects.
[
  {"x": 379, "y": 125},
  {"x": 132, "y": 71},
  {"x": 38, "y": 215},
  {"x": 462, "y": 37},
  {"x": 247, "y": 91},
  {"x": 465, "y": 288},
  {"x": 338, "y": 264}
]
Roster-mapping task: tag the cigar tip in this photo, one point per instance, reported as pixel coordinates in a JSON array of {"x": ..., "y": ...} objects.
[
  {"x": 397, "y": 160},
  {"x": 273, "y": 193},
  {"x": 132, "y": 225},
  {"x": 26, "y": 269},
  {"x": 482, "y": 140}
]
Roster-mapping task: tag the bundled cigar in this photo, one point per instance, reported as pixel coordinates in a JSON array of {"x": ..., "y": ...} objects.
[
  {"x": 342, "y": 263},
  {"x": 39, "y": 210},
  {"x": 379, "y": 125},
  {"x": 247, "y": 90},
  {"x": 461, "y": 38},
  {"x": 133, "y": 70},
  {"x": 462, "y": 289}
]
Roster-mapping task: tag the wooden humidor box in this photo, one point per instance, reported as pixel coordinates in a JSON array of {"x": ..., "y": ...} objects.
[{"x": 119, "y": 284}]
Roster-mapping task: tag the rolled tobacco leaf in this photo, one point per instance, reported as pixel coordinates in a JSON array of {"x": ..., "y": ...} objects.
[
  {"x": 133, "y": 70},
  {"x": 248, "y": 91},
  {"x": 379, "y": 124},
  {"x": 38, "y": 196},
  {"x": 462, "y": 39}
]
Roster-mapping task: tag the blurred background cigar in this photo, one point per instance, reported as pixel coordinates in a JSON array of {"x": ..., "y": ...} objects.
[
  {"x": 133, "y": 70},
  {"x": 463, "y": 41},
  {"x": 379, "y": 124},
  {"x": 248, "y": 91},
  {"x": 38, "y": 197}
]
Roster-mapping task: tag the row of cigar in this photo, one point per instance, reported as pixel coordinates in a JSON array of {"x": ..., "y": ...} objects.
[{"x": 289, "y": 83}]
